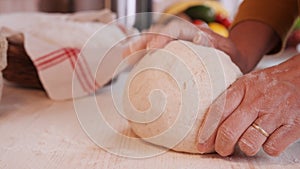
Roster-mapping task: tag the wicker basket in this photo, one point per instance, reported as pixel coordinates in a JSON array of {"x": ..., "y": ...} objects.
[
  {"x": 3, "y": 47},
  {"x": 20, "y": 69}
]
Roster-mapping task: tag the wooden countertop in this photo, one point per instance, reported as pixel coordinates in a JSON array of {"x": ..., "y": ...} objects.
[{"x": 36, "y": 132}]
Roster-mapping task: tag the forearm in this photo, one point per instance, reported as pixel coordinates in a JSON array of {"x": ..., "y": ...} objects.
[
  {"x": 254, "y": 31},
  {"x": 253, "y": 39}
]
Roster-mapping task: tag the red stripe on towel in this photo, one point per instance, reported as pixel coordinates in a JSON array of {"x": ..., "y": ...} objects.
[{"x": 82, "y": 71}]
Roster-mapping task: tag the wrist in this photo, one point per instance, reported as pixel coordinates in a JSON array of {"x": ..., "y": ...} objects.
[
  {"x": 240, "y": 60},
  {"x": 291, "y": 65},
  {"x": 252, "y": 40}
]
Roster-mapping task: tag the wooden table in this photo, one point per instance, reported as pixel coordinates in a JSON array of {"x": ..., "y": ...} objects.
[{"x": 36, "y": 132}]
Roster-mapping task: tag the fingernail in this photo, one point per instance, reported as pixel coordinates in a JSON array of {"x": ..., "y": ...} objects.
[
  {"x": 204, "y": 149},
  {"x": 202, "y": 39},
  {"x": 197, "y": 38},
  {"x": 201, "y": 148}
]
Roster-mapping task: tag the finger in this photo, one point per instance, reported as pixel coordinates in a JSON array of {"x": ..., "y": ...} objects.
[
  {"x": 205, "y": 36},
  {"x": 174, "y": 30},
  {"x": 281, "y": 138},
  {"x": 252, "y": 140},
  {"x": 233, "y": 127},
  {"x": 178, "y": 29},
  {"x": 208, "y": 146},
  {"x": 159, "y": 41},
  {"x": 136, "y": 44},
  {"x": 221, "y": 108},
  {"x": 140, "y": 42},
  {"x": 155, "y": 28},
  {"x": 204, "y": 39}
]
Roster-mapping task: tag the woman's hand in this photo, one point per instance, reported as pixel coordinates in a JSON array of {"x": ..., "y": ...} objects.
[
  {"x": 269, "y": 98},
  {"x": 158, "y": 36},
  {"x": 161, "y": 34}
]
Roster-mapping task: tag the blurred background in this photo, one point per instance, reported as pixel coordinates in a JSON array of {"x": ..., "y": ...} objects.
[
  {"x": 8, "y": 6},
  {"x": 130, "y": 7},
  {"x": 127, "y": 8}
]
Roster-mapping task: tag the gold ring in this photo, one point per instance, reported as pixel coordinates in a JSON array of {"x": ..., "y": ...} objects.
[{"x": 258, "y": 128}]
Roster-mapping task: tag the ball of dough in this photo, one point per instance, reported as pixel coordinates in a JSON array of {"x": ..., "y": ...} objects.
[{"x": 169, "y": 90}]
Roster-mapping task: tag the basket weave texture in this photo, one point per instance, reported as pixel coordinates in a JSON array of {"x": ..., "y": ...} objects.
[{"x": 20, "y": 69}]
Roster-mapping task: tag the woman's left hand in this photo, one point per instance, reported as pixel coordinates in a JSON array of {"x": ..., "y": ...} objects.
[
  {"x": 157, "y": 36},
  {"x": 261, "y": 109}
]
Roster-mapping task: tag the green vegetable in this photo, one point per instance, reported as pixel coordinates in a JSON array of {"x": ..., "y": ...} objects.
[
  {"x": 297, "y": 24},
  {"x": 201, "y": 12}
]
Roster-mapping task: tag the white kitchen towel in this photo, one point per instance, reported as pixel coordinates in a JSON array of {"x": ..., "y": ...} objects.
[{"x": 57, "y": 45}]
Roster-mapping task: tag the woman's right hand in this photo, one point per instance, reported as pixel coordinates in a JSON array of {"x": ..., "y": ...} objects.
[{"x": 260, "y": 109}]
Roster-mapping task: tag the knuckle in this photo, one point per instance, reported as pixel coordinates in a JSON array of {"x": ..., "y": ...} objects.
[
  {"x": 225, "y": 141},
  {"x": 240, "y": 84},
  {"x": 226, "y": 134}
]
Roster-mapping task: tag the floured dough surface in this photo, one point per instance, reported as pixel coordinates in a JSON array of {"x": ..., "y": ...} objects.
[{"x": 169, "y": 90}]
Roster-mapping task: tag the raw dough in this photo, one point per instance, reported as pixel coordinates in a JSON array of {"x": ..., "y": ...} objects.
[{"x": 169, "y": 90}]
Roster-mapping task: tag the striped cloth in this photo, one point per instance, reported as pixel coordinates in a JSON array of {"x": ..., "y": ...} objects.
[{"x": 65, "y": 53}]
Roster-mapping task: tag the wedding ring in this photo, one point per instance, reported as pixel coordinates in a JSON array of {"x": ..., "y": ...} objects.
[{"x": 258, "y": 128}]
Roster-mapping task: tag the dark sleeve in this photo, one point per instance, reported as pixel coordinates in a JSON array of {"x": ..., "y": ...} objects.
[{"x": 278, "y": 14}]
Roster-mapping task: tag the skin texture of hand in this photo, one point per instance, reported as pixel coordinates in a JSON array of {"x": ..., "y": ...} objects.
[
  {"x": 270, "y": 98},
  {"x": 160, "y": 35},
  {"x": 247, "y": 43}
]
